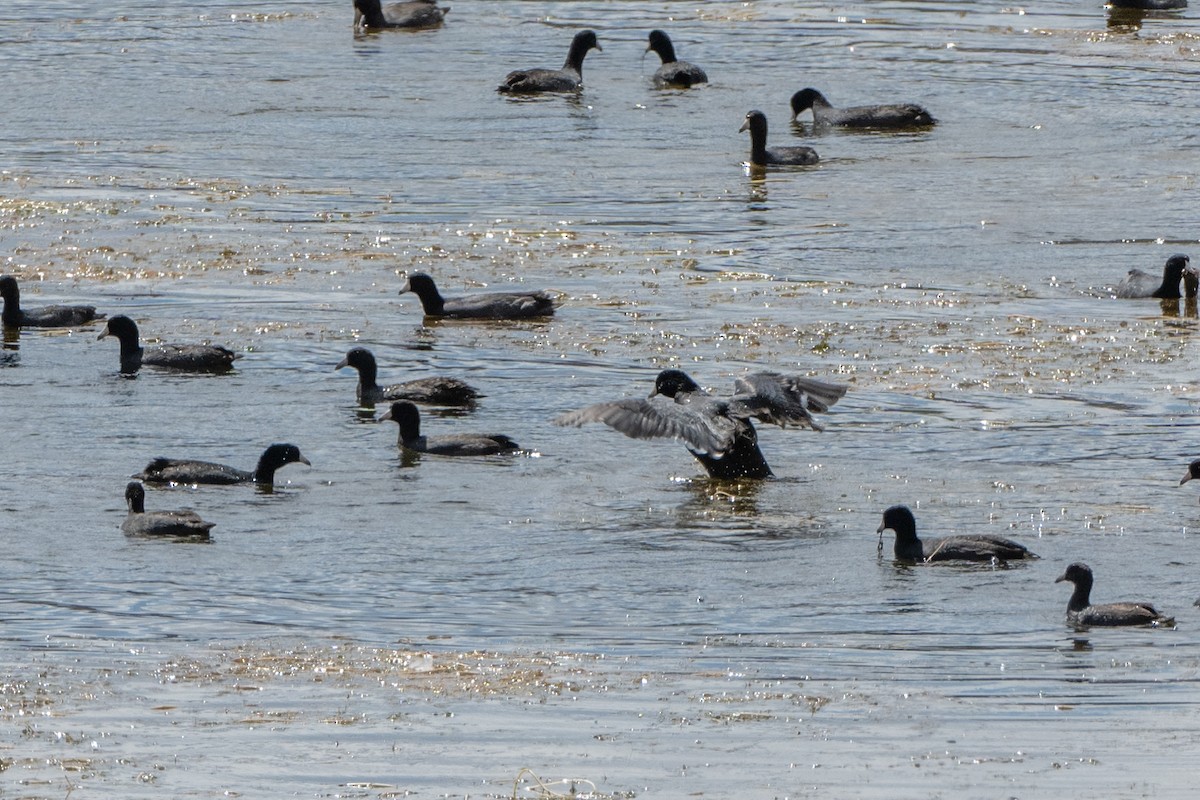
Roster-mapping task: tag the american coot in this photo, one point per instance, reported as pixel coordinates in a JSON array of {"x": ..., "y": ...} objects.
[
  {"x": 673, "y": 72},
  {"x": 1081, "y": 613},
  {"x": 372, "y": 14},
  {"x": 1149, "y": 5},
  {"x": 760, "y": 156},
  {"x": 45, "y": 317},
  {"x": 490, "y": 305},
  {"x": 717, "y": 431},
  {"x": 187, "y": 357},
  {"x": 405, "y": 415},
  {"x": 1139, "y": 283},
  {"x": 185, "y": 471},
  {"x": 969, "y": 547},
  {"x": 1193, "y": 472},
  {"x": 567, "y": 79},
  {"x": 140, "y": 522},
  {"x": 896, "y": 115},
  {"x": 436, "y": 391}
]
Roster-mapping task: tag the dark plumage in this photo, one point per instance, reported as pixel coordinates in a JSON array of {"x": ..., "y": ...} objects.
[
  {"x": 187, "y": 357},
  {"x": 1149, "y": 5},
  {"x": 895, "y": 115},
  {"x": 673, "y": 72},
  {"x": 490, "y": 305},
  {"x": 717, "y": 431},
  {"x": 46, "y": 317},
  {"x": 1081, "y": 613},
  {"x": 1139, "y": 283},
  {"x": 436, "y": 391},
  {"x": 760, "y": 156},
  {"x": 140, "y": 522},
  {"x": 182, "y": 470},
  {"x": 372, "y": 14},
  {"x": 406, "y": 415},
  {"x": 971, "y": 547},
  {"x": 1193, "y": 472},
  {"x": 567, "y": 79}
]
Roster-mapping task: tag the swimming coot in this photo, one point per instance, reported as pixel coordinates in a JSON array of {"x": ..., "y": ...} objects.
[
  {"x": 373, "y": 15},
  {"x": 1139, "y": 283},
  {"x": 673, "y": 72},
  {"x": 435, "y": 391},
  {"x": 46, "y": 317},
  {"x": 567, "y": 79},
  {"x": 1081, "y": 613},
  {"x": 967, "y": 547},
  {"x": 490, "y": 305},
  {"x": 1149, "y": 5},
  {"x": 761, "y": 156},
  {"x": 185, "y": 471},
  {"x": 716, "y": 430},
  {"x": 1193, "y": 472},
  {"x": 406, "y": 415},
  {"x": 140, "y": 522},
  {"x": 896, "y": 115},
  {"x": 187, "y": 357}
]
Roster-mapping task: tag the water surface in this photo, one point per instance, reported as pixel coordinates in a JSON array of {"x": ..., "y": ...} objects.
[{"x": 595, "y": 609}]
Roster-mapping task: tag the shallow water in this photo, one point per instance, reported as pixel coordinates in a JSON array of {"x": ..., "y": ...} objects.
[{"x": 594, "y": 609}]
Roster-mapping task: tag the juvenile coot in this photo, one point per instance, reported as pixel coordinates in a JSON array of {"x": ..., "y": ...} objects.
[
  {"x": 1081, "y": 613},
  {"x": 405, "y": 415},
  {"x": 761, "y": 156},
  {"x": 436, "y": 391},
  {"x": 673, "y": 72},
  {"x": 717, "y": 431},
  {"x": 187, "y": 357},
  {"x": 967, "y": 547},
  {"x": 1139, "y": 283},
  {"x": 46, "y": 317},
  {"x": 490, "y": 305},
  {"x": 184, "y": 471},
  {"x": 140, "y": 522},
  {"x": 372, "y": 14},
  {"x": 567, "y": 79},
  {"x": 895, "y": 115}
]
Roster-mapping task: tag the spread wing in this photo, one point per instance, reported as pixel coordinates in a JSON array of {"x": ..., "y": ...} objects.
[
  {"x": 703, "y": 426},
  {"x": 783, "y": 399}
]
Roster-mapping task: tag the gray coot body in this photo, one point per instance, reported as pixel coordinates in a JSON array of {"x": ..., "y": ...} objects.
[
  {"x": 187, "y": 471},
  {"x": 414, "y": 15},
  {"x": 567, "y": 79},
  {"x": 762, "y": 156},
  {"x": 1149, "y": 5},
  {"x": 673, "y": 72},
  {"x": 489, "y": 305},
  {"x": 140, "y": 522},
  {"x": 1139, "y": 283},
  {"x": 435, "y": 391},
  {"x": 406, "y": 415},
  {"x": 968, "y": 547},
  {"x": 46, "y": 317},
  {"x": 185, "y": 357},
  {"x": 895, "y": 115},
  {"x": 1081, "y": 613},
  {"x": 717, "y": 431}
]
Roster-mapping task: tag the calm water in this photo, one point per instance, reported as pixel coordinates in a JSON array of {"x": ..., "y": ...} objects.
[{"x": 595, "y": 610}]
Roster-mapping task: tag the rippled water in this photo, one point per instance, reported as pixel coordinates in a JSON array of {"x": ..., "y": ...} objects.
[{"x": 595, "y": 610}]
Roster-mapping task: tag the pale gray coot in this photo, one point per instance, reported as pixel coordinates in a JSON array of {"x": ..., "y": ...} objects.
[
  {"x": 14, "y": 316},
  {"x": 893, "y": 115},
  {"x": 1082, "y": 613},
  {"x": 185, "y": 357},
  {"x": 140, "y": 522},
  {"x": 567, "y": 79},
  {"x": 762, "y": 156},
  {"x": 487, "y": 305},
  {"x": 186, "y": 471}
]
